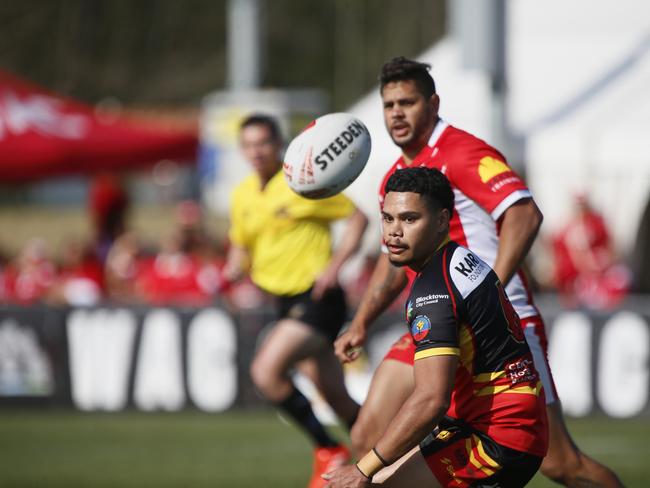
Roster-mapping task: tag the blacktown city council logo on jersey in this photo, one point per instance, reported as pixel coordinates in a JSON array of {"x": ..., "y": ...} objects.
[{"x": 420, "y": 327}]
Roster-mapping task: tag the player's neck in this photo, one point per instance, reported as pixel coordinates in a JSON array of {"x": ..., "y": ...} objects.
[
  {"x": 266, "y": 176},
  {"x": 411, "y": 152},
  {"x": 444, "y": 240}
]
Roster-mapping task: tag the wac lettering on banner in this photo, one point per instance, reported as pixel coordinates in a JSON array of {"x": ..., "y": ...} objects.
[{"x": 110, "y": 359}]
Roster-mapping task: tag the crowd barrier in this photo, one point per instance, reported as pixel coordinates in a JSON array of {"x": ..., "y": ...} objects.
[{"x": 112, "y": 358}]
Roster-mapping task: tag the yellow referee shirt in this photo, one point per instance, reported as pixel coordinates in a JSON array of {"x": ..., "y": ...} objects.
[{"x": 287, "y": 236}]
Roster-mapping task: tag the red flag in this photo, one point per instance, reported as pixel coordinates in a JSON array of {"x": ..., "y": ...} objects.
[{"x": 45, "y": 135}]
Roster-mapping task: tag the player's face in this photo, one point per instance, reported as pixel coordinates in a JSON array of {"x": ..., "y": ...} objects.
[
  {"x": 408, "y": 115},
  {"x": 260, "y": 149},
  {"x": 411, "y": 229}
]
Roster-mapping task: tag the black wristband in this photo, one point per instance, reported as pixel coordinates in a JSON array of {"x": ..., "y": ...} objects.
[{"x": 364, "y": 474}]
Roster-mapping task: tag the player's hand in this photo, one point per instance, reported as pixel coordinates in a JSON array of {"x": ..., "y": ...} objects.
[
  {"x": 346, "y": 477},
  {"x": 348, "y": 345},
  {"x": 232, "y": 273},
  {"x": 326, "y": 281}
]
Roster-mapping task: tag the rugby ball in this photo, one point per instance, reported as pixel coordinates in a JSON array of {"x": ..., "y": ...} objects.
[{"x": 327, "y": 155}]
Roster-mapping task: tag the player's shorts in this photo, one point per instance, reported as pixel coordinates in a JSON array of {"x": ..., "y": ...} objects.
[
  {"x": 460, "y": 456},
  {"x": 326, "y": 315},
  {"x": 535, "y": 333},
  {"x": 403, "y": 350}
]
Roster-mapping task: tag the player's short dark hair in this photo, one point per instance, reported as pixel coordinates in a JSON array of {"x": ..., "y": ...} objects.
[
  {"x": 267, "y": 121},
  {"x": 428, "y": 182},
  {"x": 404, "y": 69}
]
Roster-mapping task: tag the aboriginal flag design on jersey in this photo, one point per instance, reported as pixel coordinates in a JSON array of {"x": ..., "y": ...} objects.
[{"x": 460, "y": 308}]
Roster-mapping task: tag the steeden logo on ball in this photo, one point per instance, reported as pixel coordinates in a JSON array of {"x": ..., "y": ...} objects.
[{"x": 327, "y": 156}]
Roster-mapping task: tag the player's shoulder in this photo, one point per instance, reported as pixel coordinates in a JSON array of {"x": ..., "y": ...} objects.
[
  {"x": 458, "y": 141},
  {"x": 250, "y": 181},
  {"x": 455, "y": 135},
  {"x": 245, "y": 187},
  {"x": 466, "y": 270}
]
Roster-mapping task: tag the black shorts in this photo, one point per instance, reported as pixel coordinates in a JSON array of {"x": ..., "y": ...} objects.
[
  {"x": 461, "y": 456},
  {"x": 326, "y": 315}
]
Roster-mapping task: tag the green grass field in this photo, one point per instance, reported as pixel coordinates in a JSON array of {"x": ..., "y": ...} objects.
[{"x": 238, "y": 449}]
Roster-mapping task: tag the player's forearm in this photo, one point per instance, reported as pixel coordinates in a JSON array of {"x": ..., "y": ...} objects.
[
  {"x": 386, "y": 283},
  {"x": 519, "y": 229},
  {"x": 415, "y": 420},
  {"x": 434, "y": 381},
  {"x": 237, "y": 263},
  {"x": 351, "y": 241}
]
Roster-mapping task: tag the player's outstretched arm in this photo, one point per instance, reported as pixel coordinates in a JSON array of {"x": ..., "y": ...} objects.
[
  {"x": 386, "y": 283},
  {"x": 353, "y": 233},
  {"x": 519, "y": 226},
  {"x": 434, "y": 381}
]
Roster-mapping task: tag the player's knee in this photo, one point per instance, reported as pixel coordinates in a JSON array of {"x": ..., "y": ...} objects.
[
  {"x": 561, "y": 469},
  {"x": 263, "y": 376}
]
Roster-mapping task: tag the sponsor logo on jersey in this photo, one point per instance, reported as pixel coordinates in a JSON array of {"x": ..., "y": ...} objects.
[
  {"x": 496, "y": 174},
  {"x": 420, "y": 327},
  {"x": 490, "y": 167},
  {"x": 444, "y": 435},
  {"x": 521, "y": 370},
  {"x": 502, "y": 180},
  {"x": 409, "y": 310},
  {"x": 467, "y": 271},
  {"x": 470, "y": 267},
  {"x": 427, "y": 300}
]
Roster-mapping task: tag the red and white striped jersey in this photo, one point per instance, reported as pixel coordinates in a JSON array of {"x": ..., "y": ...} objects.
[{"x": 484, "y": 187}]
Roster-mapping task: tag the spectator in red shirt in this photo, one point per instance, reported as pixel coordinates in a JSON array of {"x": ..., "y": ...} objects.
[
  {"x": 586, "y": 271},
  {"x": 81, "y": 276},
  {"x": 29, "y": 278},
  {"x": 186, "y": 271}
]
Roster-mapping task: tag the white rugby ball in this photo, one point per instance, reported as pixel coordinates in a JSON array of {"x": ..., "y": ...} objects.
[{"x": 327, "y": 155}]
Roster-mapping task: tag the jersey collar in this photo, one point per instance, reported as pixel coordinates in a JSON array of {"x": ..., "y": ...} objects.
[
  {"x": 427, "y": 150},
  {"x": 437, "y": 132},
  {"x": 272, "y": 181},
  {"x": 430, "y": 149},
  {"x": 443, "y": 243}
]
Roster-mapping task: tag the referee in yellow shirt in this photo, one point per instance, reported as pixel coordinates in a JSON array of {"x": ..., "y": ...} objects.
[{"x": 284, "y": 242}]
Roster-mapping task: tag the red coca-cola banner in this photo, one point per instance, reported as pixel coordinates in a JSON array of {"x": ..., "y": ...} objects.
[{"x": 44, "y": 135}]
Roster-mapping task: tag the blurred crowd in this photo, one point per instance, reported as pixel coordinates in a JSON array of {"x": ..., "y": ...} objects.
[
  {"x": 186, "y": 268},
  {"x": 116, "y": 266}
]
